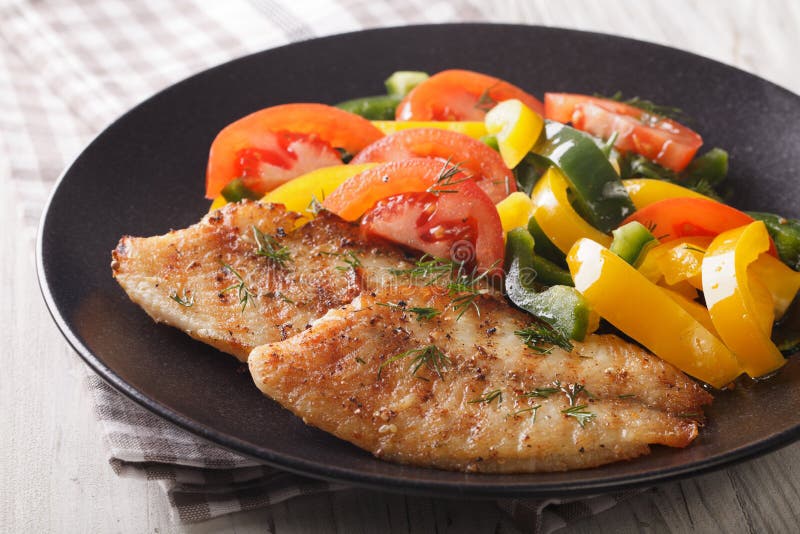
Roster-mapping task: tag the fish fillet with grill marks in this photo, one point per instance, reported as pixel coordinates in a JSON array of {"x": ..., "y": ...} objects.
[
  {"x": 351, "y": 374},
  {"x": 329, "y": 265}
]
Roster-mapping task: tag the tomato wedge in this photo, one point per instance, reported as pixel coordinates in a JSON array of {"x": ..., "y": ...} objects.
[
  {"x": 674, "y": 218},
  {"x": 660, "y": 139},
  {"x": 475, "y": 157},
  {"x": 459, "y": 95},
  {"x": 276, "y": 144},
  {"x": 462, "y": 225},
  {"x": 359, "y": 193}
]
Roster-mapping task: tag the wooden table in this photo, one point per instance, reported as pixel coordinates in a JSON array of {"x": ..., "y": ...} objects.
[{"x": 53, "y": 473}]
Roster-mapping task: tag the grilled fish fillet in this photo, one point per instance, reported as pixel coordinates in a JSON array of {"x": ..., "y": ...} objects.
[
  {"x": 190, "y": 278},
  {"x": 474, "y": 404}
]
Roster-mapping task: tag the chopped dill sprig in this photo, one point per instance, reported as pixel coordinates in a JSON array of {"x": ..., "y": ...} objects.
[
  {"x": 464, "y": 288},
  {"x": 489, "y": 397},
  {"x": 423, "y": 314},
  {"x": 349, "y": 258},
  {"x": 360, "y": 360},
  {"x": 542, "y": 392},
  {"x": 182, "y": 299},
  {"x": 429, "y": 268},
  {"x": 579, "y": 413},
  {"x": 430, "y": 356},
  {"x": 626, "y": 396},
  {"x": 485, "y": 101},
  {"x": 315, "y": 206},
  {"x": 650, "y": 107},
  {"x": 269, "y": 247},
  {"x": 694, "y": 249},
  {"x": 243, "y": 291},
  {"x": 537, "y": 335},
  {"x": 573, "y": 390},
  {"x": 533, "y": 409},
  {"x": 448, "y": 178}
]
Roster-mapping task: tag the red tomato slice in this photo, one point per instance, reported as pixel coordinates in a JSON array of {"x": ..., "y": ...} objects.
[
  {"x": 359, "y": 193},
  {"x": 463, "y": 225},
  {"x": 275, "y": 144},
  {"x": 459, "y": 95},
  {"x": 674, "y": 218},
  {"x": 476, "y": 158},
  {"x": 660, "y": 139}
]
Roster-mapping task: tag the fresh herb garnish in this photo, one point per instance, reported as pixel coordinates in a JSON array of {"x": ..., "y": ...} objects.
[
  {"x": 489, "y": 397},
  {"x": 360, "y": 360},
  {"x": 694, "y": 249},
  {"x": 542, "y": 392},
  {"x": 573, "y": 390},
  {"x": 533, "y": 409},
  {"x": 537, "y": 335},
  {"x": 485, "y": 101},
  {"x": 626, "y": 396},
  {"x": 448, "y": 178},
  {"x": 243, "y": 291},
  {"x": 349, "y": 258},
  {"x": 430, "y": 356},
  {"x": 464, "y": 288},
  {"x": 651, "y": 108},
  {"x": 429, "y": 268},
  {"x": 182, "y": 299},
  {"x": 579, "y": 413},
  {"x": 269, "y": 247},
  {"x": 423, "y": 314},
  {"x": 315, "y": 206}
]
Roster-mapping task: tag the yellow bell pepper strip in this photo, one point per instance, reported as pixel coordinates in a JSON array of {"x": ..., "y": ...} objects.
[
  {"x": 649, "y": 315},
  {"x": 217, "y": 204},
  {"x": 685, "y": 289},
  {"x": 731, "y": 301},
  {"x": 782, "y": 282},
  {"x": 516, "y": 127},
  {"x": 515, "y": 210},
  {"x": 695, "y": 309},
  {"x": 555, "y": 215},
  {"x": 646, "y": 191},
  {"x": 474, "y": 129},
  {"x": 676, "y": 261},
  {"x": 298, "y": 194}
]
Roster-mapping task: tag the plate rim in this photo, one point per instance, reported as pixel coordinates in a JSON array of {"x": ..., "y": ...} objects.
[{"x": 360, "y": 478}]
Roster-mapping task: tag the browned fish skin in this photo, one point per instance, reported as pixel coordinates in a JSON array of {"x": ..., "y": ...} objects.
[
  {"x": 188, "y": 264},
  {"x": 329, "y": 376}
]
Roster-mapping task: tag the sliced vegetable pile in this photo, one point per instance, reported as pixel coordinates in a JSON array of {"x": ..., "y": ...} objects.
[{"x": 582, "y": 208}]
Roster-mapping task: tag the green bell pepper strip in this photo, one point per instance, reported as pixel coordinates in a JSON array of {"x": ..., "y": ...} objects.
[
  {"x": 401, "y": 83},
  {"x": 544, "y": 247},
  {"x": 374, "y": 108},
  {"x": 600, "y": 197},
  {"x": 534, "y": 269},
  {"x": 236, "y": 191},
  {"x": 785, "y": 233},
  {"x": 560, "y": 306},
  {"x": 711, "y": 167},
  {"x": 786, "y": 333},
  {"x": 631, "y": 242}
]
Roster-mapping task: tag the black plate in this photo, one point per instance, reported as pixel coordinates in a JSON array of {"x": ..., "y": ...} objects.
[{"x": 144, "y": 175}]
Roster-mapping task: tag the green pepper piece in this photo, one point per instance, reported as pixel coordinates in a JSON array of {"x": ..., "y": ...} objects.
[
  {"x": 600, "y": 196},
  {"x": 534, "y": 269},
  {"x": 786, "y": 333},
  {"x": 785, "y": 233},
  {"x": 632, "y": 241},
  {"x": 711, "y": 167},
  {"x": 491, "y": 142},
  {"x": 374, "y": 108},
  {"x": 544, "y": 247},
  {"x": 560, "y": 306},
  {"x": 236, "y": 191},
  {"x": 402, "y": 82}
]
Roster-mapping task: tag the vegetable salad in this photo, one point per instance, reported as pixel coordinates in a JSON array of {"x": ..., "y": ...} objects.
[{"x": 582, "y": 209}]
